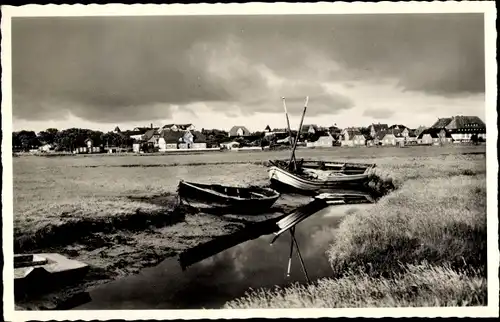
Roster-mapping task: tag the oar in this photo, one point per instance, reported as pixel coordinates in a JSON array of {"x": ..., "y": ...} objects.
[
  {"x": 300, "y": 256},
  {"x": 287, "y": 121},
  {"x": 290, "y": 257},
  {"x": 292, "y": 158}
]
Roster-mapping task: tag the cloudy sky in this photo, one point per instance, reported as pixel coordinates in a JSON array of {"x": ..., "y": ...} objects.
[{"x": 219, "y": 71}]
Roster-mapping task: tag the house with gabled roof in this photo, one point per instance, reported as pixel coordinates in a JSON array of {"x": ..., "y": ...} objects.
[
  {"x": 434, "y": 136},
  {"x": 393, "y": 137},
  {"x": 376, "y": 128},
  {"x": 419, "y": 130},
  {"x": 335, "y": 132},
  {"x": 194, "y": 140},
  {"x": 411, "y": 138},
  {"x": 152, "y": 136},
  {"x": 405, "y": 131},
  {"x": 441, "y": 123},
  {"x": 462, "y": 128},
  {"x": 377, "y": 137},
  {"x": 238, "y": 131},
  {"x": 323, "y": 141},
  {"x": 352, "y": 137},
  {"x": 137, "y": 133},
  {"x": 359, "y": 140},
  {"x": 170, "y": 140}
]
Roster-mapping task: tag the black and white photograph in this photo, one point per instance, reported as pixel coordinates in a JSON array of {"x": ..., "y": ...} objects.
[{"x": 164, "y": 158}]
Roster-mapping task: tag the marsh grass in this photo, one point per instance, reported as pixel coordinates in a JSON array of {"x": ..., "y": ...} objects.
[
  {"x": 414, "y": 286},
  {"x": 423, "y": 244},
  {"x": 64, "y": 224},
  {"x": 439, "y": 220}
]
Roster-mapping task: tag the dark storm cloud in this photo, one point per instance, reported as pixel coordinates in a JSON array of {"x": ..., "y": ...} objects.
[
  {"x": 322, "y": 101},
  {"x": 136, "y": 68},
  {"x": 104, "y": 69},
  {"x": 379, "y": 113}
]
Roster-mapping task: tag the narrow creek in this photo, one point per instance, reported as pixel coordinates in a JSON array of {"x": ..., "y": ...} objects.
[{"x": 213, "y": 281}]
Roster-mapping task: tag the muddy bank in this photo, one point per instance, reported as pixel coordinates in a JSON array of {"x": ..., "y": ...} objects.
[{"x": 116, "y": 248}]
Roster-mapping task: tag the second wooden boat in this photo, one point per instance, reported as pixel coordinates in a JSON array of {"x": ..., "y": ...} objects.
[
  {"x": 234, "y": 199},
  {"x": 314, "y": 176}
]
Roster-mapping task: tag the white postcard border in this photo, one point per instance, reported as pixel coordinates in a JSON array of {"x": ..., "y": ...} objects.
[{"x": 488, "y": 8}]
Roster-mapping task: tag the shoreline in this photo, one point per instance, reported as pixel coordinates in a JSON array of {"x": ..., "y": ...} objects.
[{"x": 245, "y": 151}]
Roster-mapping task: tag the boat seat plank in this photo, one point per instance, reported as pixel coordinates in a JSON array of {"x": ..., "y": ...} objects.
[{"x": 258, "y": 195}]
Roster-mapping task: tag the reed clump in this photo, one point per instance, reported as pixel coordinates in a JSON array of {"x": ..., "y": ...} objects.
[
  {"x": 440, "y": 220},
  {"x": 414, "y": 286}
]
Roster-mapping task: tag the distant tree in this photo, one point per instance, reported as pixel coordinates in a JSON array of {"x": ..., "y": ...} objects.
[
  {"x": 16, "y": 140},
  {"x": 265, "y": 141},
  {"x": 215, "y": 137},
  {"x": 25, "y": 139},
  {"x": 72, "y": 138},
  {"x": 114, "y": 139},
  {"x": 366, "y": 132},
  {"x": 242, "y": 141},
  {"x": 96, "y": 137},
  {"x": 475, "y": 138},
  {"x": 48, "y": 136},
  {"x": 258, "y": 134}
]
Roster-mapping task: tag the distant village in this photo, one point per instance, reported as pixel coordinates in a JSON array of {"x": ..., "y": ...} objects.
[{"x": 186, "y": 137}]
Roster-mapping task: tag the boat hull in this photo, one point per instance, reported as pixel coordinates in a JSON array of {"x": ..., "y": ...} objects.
[
  {"x": 229, "y": 207},
  {"x": 211, "y": 201},
  {"x": 283, "y": 178}
]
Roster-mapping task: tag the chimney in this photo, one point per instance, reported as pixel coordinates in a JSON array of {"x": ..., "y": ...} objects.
[{"x": 151, "y": 125}]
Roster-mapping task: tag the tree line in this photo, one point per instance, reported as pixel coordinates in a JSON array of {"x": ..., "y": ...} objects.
[
  {"x": 67, "y": 140},
  {"x": 70, "y": 139}
]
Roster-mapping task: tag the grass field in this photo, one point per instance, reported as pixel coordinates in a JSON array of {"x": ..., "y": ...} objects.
[{"x": 118, "y": 213}]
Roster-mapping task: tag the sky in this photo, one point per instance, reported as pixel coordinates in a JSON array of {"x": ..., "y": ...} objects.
[{"x": 220, "y": 71}]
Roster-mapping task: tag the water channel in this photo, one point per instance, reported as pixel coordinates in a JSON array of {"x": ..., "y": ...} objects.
[{"x": 229, "y": 274}]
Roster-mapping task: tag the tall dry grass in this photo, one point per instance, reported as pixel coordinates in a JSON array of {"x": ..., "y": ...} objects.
[
  {"x": 439, "y": 220},
  {"x": 415, "y": 286}
]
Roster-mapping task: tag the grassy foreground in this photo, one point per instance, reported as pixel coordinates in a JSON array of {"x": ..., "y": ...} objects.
[
  {"x": 422, "y": 245},
  {"x": 421, "y": 285}
]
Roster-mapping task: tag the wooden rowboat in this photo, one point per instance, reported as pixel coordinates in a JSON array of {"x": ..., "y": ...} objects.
[
  {"x": 313, "y": 176},
  {"x": 235, "y": 199}
]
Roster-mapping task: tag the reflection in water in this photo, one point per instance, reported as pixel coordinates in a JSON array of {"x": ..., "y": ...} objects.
[{"x": 227, "y": 275}]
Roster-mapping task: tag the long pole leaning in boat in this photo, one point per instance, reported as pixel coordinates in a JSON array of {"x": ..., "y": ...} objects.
[
  {"x": 287, "y": 122},
  {"x": 292, "y": 158}
]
